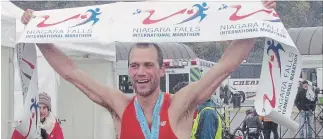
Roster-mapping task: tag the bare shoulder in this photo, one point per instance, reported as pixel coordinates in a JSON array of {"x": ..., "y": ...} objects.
[{"x": 120, "y": 104}]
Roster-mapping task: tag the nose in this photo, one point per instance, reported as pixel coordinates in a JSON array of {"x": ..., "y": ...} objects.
[{"x": 141, "y": 71}]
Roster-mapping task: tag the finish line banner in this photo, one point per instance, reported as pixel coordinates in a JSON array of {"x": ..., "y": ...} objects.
[{"x": 184, "y": 22}]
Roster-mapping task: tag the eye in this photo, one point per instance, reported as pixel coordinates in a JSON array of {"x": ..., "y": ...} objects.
[
  {"x": 133, "y": 65},
  {"x": 149, "y": 65}
]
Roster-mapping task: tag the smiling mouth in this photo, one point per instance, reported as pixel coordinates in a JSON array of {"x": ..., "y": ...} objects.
[{"x": 142, "y": 81}]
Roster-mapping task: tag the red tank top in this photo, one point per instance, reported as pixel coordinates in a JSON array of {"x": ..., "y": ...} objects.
[{"x": 130, "y": 128}]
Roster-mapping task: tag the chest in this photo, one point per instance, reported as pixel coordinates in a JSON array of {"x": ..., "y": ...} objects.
[{"x": 130, "y": 127}]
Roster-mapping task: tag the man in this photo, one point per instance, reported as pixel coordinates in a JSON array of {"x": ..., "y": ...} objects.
[
  {"x": 252, "y": 124},
  {"x": 138, "y": 117},
  {"x": 225, "y": 94},
  {"x": 50, "y": 128},
  {"x": 305, "y": 103},
  {"x": 269, "y": 126},
  {"x": 208, "y": 124}
]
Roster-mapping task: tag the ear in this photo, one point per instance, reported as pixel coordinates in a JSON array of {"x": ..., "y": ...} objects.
[{"x": 162, "y": 71}]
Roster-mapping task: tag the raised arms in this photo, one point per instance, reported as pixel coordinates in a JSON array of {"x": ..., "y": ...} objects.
[{"x": 108, "y": 97}]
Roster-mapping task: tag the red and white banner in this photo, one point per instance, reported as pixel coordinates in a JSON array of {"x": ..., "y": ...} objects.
[
  {"x": 182, "y": 22},
  {"x": 29, "y": 117},
  {"x": 278, "y": 84}
]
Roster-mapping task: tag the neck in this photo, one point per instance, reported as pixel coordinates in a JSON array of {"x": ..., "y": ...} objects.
[{"x": 147, "y": 103}]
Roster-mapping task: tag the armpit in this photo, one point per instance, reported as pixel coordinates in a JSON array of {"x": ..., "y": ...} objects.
[{"x": 188, "y": 113}]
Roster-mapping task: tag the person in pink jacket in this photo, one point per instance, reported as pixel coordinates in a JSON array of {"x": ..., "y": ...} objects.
[{"x": 50, "y": 126}]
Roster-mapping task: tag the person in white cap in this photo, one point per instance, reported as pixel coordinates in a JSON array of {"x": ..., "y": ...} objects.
[{"x": 50, "y": 128}]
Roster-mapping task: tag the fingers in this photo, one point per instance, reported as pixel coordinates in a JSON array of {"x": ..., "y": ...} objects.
[
  {"x": 28, "y": 14},
  {"x": 23, "y": 20},
  {"x": 270, "y": 4}
]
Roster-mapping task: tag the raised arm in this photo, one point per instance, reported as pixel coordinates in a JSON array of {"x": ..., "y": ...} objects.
[
  {"x": 186, "y": 99},
  {"x": 229, "y": 62},
  {"x": 197, "y": 92},
  {"x": 108, "y": 97}
]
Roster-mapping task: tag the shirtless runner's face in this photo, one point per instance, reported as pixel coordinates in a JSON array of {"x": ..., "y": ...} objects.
[{"x": 144, "y": 70}]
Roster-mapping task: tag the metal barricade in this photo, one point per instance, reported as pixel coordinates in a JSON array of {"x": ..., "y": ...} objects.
[
  {"x": 233, "y": 114},
  {"x": 316, "y": 127}
]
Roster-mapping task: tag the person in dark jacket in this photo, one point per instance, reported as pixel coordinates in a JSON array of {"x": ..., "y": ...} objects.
[
  {"x": 305, "y": 103},
  {"x": 252, "y": 124},
  {"x": 225, "y": 94},
  {"x": 269, "y": 126}
]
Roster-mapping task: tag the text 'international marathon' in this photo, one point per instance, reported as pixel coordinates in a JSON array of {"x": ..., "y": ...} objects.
[
  {"x": 59, "y": 36},
  {"x": 141, "y": 35},
  {"x": 287, "y": 82},
  {"x": 251, "y": 30}
]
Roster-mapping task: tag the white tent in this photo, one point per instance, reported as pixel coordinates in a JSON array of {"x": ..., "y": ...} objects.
[
  {"x": 48, "y": 79},
  {"x": 9, "y": 15}
]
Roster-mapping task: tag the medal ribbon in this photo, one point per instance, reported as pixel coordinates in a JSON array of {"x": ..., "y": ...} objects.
[{"x": 154, "y": 132}]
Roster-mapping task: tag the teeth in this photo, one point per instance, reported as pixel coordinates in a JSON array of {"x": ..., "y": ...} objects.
[{"x": 142, "y": 81}]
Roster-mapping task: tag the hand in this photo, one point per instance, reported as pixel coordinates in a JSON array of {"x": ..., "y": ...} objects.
[
  {"x": 28, "y": 14},
  {"x": 270, "y": 4}
]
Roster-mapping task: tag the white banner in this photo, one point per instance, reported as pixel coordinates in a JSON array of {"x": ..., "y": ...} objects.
[
  {"x": 181, "y": 22},
  {"x": 28, "y": 123},
  {"x": 278, "y": 84}
]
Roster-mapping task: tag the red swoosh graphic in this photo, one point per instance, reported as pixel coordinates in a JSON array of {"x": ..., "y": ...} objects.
[
  {"x": 272, "y": 102},
  {"x": 43, "y": 24},
  {"x": 29, "y": 63},
  {"x": 30, "y": 122},
  {"x": 235, "y": 17},
  {"x": 152, "y": 21}
]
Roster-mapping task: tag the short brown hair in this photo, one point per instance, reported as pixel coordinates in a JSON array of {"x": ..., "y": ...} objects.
[{"x": 160, "y": 58}]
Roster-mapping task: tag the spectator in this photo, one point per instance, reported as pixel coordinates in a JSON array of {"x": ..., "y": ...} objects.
[
  {"x": 50, "y": 128},
  {"x": 225, "y": 93},
  {"x": 269, "y": 126},
  {"x": 305, "y": 103},
  {"x": 252, "y": 124},
  {"x": 208, "y": 124}
]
